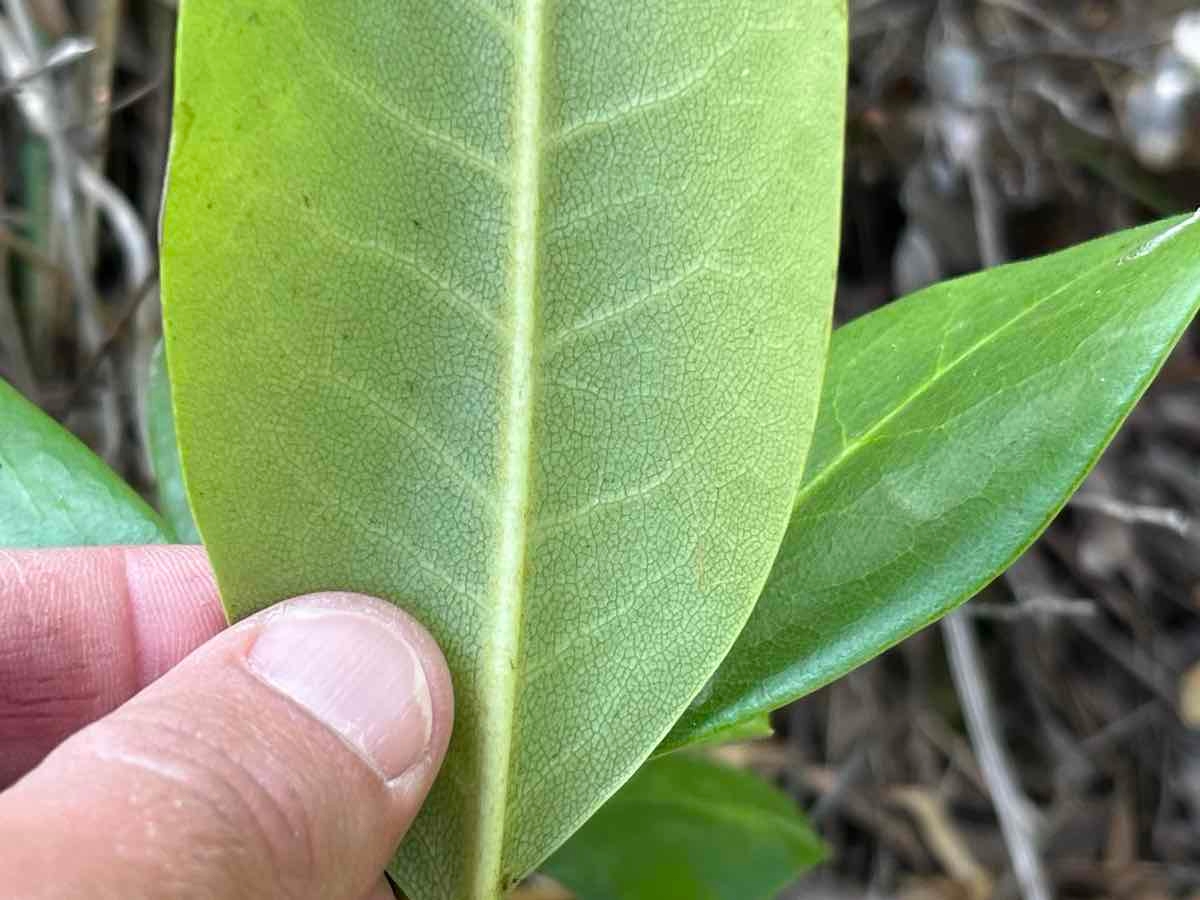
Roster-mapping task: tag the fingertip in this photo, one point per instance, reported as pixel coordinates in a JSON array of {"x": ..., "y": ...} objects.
[
  {"x": 83, "y": 629},
  {"x": 383, "y": 655},
  {"x": 174, "y": 605}
]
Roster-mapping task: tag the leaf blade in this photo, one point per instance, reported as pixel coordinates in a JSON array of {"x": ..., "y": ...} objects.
[
  {"x": 687, "y": 829},
  {"x": 1126, "y": 298},
  {"x": 356, "y": 371},
  {"x": 164, "y": 453},
  {"x": 54, "y": 492}
]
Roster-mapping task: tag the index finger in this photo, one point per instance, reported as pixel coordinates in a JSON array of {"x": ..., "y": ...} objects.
[{"x": 84, "y": 629}]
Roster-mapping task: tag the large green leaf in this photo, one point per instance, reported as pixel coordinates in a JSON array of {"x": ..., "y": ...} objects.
[
  {"x": 54, "y": 492},
  {"x": 514, "y": 314},
  {"x": 164, "y": 452},
  {"x": 687, "y": 829},
  {"x": 954, "y": 425}
]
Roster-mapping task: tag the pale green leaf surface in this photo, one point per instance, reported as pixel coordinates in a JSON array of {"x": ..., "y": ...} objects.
[
  {"x": 164, "y": 453},
  {"x": 514, "y": 314},
  {"x": 684, "y": 828},
  {"x": 954, "y": 425},
  {"x": 54, "y": 492}
]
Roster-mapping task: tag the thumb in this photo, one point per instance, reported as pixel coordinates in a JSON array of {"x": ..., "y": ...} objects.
[{"x": 284, "y": 758}]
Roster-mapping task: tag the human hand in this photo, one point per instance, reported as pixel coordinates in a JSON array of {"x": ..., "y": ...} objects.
[{"x": 283, "y": 757}]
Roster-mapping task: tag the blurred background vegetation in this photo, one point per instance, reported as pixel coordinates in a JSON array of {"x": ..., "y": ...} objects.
[{"x": 979, "y": 131}]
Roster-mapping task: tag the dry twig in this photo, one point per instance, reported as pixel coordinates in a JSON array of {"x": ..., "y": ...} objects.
[{"x": 1015, "y": 814}]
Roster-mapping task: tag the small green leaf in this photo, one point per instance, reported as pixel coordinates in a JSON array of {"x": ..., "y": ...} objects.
[
  {"x": 507, "y": 312},
  {"x": 164, "y": 452},
  {"x": 687, "y": 829},
  {"x": 54, "y": 492},
  {"x": 954, "y": 425}
]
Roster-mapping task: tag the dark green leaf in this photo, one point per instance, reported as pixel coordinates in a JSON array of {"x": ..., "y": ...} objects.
[
  {"x": 687, "y": 829},
  {"x": 954, "y": 425},
  {"x": 54, "y": 492}
]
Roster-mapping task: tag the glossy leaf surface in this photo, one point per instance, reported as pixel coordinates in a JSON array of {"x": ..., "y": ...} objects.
[
  {"x": 749, "y": 729},
  {"x": 54, "y": 492},
  {"x": 514, "y": 314},
  {"x": 954, "y": 425},
  {"x": 164, "y": 453},
  {"x": 684, "y": 828}
]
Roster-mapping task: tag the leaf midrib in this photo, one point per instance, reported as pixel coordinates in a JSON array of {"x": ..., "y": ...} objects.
[{"x": 501, "y": 662}]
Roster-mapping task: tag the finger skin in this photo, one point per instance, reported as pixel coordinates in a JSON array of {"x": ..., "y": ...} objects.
[
  {"x": 211, "y": 783},
  {"x": 382, "y": 891},
  {"x": 82, "y": 630}
]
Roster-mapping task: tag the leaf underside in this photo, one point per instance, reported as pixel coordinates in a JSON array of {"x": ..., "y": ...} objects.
[
  {"x": 954, "y": 425},
  {"x": 687, "y": 829},
  {"x": 516, "y": 316},
  {"x": 54, "y": 492}
]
